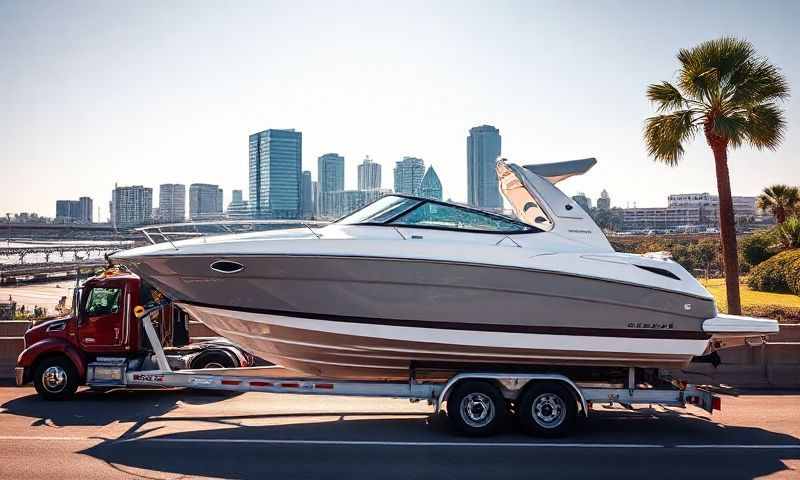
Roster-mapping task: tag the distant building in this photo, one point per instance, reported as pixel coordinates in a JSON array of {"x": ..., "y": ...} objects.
[
  {"x": 345, "y": 202},
  {"x": 74, "y": 211},
  {"x": 205, "y": 201},
  {"x": 687, "y": 211},
  {"x": 483, "y": 148},
  {"x": 431, "y": 187},
  {"x": 306, "y": 195},
  {"x": 317, "y": 200},
  {"x": 131, "y": 206},
  {"x": 330, "y": 175},
  {"x": 369, "y": 175},
  {"x": 408, "y": 174},
  {"x": 85, "y": 207},
  {"x": 156, "y": 215},
  {"x": 66, "y": 211},
  {"x": 604, "y": 202},
  {"x": 584, "y": 201},
  {"x": 238, "y": 209},
  {"x": 275, "y": 158},
  {"x": 172, "y": 203}
]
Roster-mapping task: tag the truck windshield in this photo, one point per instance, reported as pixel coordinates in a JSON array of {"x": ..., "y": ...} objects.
[{"x": 103, "y": 301}]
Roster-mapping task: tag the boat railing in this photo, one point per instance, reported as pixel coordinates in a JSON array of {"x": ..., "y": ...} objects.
[{"x": 169, "y": 231}]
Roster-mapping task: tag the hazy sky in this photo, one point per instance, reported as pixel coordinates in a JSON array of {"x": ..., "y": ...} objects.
[{"x": 148, "y": 93}]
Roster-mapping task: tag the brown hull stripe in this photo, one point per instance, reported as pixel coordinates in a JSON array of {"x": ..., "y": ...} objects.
[{"x": 662, "y": 333}]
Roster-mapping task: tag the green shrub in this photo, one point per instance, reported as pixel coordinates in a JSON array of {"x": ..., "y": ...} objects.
[
  {"x": 757, "y": 247},
  {"x": 776, "y": 312},
  {"x": 781, "y": 273}
]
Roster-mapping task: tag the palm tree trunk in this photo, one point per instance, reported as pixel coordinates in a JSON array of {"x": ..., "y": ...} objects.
[{"x": 727, "y": 225}]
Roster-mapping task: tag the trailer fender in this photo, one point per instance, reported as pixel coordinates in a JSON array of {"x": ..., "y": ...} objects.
[
  {"x": 47, "y": 347},
  {"x": 513, "y": 383}
]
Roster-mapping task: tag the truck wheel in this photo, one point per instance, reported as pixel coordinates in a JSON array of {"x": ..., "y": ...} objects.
[
  {"x": 55, "y": 378},
  {"x": 476, "y": 408},
  {"x": 213, "y": 360},
  {"x": 548, "y": 409}
]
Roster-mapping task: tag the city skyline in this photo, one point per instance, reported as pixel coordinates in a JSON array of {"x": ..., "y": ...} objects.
[{"x": 188, "y": 116}]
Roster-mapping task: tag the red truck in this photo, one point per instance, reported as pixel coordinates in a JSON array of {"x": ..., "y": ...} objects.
[{"x": 103, "y": 329}]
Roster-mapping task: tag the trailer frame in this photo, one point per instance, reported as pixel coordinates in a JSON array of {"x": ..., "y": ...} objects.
[{"x": 111, "y": 372}]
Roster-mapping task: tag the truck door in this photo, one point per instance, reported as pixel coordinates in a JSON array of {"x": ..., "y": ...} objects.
[{"x": 101, "y": 326}]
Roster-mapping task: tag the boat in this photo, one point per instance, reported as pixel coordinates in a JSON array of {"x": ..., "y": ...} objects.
[{"x": 407, "y": 284}]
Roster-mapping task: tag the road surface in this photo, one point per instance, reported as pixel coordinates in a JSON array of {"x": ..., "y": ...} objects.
[{"x": 182, "y": 434}]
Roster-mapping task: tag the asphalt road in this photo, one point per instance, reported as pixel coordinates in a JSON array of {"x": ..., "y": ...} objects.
[{"x": 180, "y": 434}]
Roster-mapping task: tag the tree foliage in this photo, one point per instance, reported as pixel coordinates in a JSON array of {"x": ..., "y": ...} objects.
[{"x": 780, "y": 200}]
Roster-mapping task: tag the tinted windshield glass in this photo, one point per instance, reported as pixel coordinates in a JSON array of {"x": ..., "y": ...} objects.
[
  {"x": 437, "y": 215},
  {"x": 103, "y": 301},
  {"x": 380, "y": 210}
]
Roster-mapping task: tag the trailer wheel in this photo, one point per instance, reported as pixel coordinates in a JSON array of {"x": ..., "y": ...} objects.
[
  {"x": 548, "y": 409},
  {"x": 476, "y": 408},
  {"x": 212, "y": 360},
  {"x": 55, "y": 378}
]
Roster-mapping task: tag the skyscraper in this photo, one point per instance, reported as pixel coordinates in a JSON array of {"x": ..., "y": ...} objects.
[
  {"x": 330, "y": 173},
  {"x": 431, "y": 187},
  {"x": 306, "y": 195},
  {"x": 369, "y": 175},
  {"x": 205, "y": 201},
  {"x": 483, "y": 148},
  {"x": 172, "y": 203},
  {"x": 408, "y": 174},
  {"x": 604, "y": 202},
  {"x": 275, "y": 162},
  {"x": 131, "y": 206}
]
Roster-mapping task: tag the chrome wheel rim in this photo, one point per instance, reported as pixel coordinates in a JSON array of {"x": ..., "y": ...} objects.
[
  {"x": 477, "y": 410},
  {"x": 54, "y": 379},
  {"x": 548, "y": 410},
  {"x": 214, "y": 365}
]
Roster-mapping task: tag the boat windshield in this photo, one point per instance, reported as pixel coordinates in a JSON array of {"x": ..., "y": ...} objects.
[
  {"x": 438, "y": 215},
  {"x": 380, "y": 211},
  {"x": 422, "y": 213}
]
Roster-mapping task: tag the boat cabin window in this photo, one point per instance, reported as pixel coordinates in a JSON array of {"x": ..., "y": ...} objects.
[
  {"x": 439, "y": 215},
  {"x": 380, "y": 210},
  {"x": 103, "y": 301}
]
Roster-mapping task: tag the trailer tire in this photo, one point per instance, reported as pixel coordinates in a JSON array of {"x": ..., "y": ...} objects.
[
  {"x": 55, "y": 378},
  {"x": 476, "y": 408},
  {"x": 213, "y": 360},
  {"x": 548, "y": 409}
]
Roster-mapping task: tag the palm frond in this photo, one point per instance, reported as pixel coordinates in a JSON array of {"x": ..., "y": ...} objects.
[
  {"x": 765, "y": 126},
  {"x": 666, "y": 134},
  {"x": 733, "y": 127},
  {"x": 666, "y": 96},
  {"x": 757, "y": 82}
]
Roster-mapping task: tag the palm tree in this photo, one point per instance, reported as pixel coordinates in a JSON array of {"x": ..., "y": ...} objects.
[
  {"x": 730, "y": 94},
  {"x": 781, "y": 201}
]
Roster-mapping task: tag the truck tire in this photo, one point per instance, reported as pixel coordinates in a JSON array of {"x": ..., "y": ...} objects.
[
  {"x": 476, "y": 408},
  {"x": 55, "y": 378},
  {"x": 213, "y": 360},
  {"x": 548, "y": 409}
]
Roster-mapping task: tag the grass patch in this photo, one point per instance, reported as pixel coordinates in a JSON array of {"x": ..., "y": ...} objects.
[{"x": 780, "y": 306}]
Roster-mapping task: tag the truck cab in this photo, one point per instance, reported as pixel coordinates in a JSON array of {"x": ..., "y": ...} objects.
[{"x": 62, "y": 354}]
